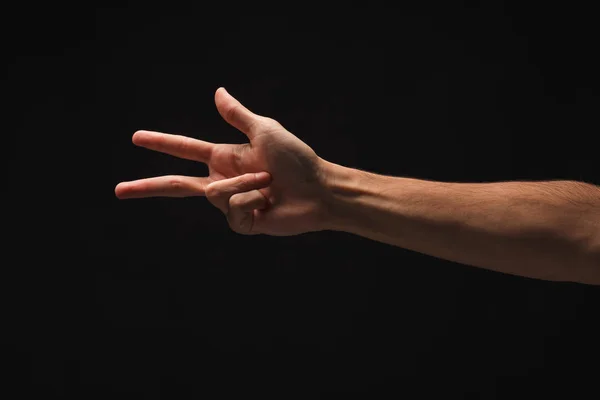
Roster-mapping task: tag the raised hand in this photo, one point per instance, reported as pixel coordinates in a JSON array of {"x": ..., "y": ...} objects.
[{"x": 274, "y": 184}]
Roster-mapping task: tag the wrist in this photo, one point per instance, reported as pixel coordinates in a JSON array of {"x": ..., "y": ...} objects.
[{"x": 347, "y": 191}]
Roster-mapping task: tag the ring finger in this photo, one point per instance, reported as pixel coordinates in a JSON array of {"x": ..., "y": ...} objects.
[{"x": 220, "y": 192}]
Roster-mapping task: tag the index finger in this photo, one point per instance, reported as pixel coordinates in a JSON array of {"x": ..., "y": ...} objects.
[{"x": 175, "y": 145}]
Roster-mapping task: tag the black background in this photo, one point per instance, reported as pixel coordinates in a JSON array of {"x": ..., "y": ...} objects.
[{"x": 157, "y": 298}]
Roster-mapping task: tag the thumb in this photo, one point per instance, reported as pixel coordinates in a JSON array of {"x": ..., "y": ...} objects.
[{"x": 235, "y": 113}]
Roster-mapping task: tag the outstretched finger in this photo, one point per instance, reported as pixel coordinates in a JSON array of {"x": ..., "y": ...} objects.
[
  {"x": 219, "y": 192},
  {"x": 175, "y": 145},
  {"x": 162, "y": 186},
  {"x": 241, "y": 211}
]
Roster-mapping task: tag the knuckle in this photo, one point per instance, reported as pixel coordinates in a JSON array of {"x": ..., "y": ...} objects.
[
  {"x": 176, "y": 183},
  {"x": 184, "y": 144},
  {"x": 160, "y": 144},
  {"x": 232, "y": 112},
  {"x": 212, "y": 191},
  {"x": 236, "y": 202},
  {"x": 268, "y": 123}
]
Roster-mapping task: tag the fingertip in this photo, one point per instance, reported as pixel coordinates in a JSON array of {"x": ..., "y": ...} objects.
[
  {"x": 262, "y": 176},
  {"x": 136, "y": 136},
  {"x": 119, "y": 190},
  {"x": 219, "y": 92}
]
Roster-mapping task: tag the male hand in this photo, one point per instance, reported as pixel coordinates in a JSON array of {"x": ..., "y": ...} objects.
[{"x": 272, "y": 185}]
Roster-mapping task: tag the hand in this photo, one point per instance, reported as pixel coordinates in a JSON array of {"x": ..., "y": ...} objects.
[{"x": 273, "y": 185}]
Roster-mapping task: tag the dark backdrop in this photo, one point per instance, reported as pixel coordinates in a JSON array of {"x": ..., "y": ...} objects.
[{"x": 157, "y": 298}]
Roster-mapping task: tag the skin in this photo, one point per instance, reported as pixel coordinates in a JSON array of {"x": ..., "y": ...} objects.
[
  {"x": 544, "y": 230},
  {"x": 284, "y": 203},
  {"x": 277, "y": 185}
]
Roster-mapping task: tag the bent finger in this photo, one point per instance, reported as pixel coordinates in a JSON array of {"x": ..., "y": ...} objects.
[
  {"x": 162, "y": 186},
  {"x": 241, "y": 211},
  {"x": 175, "y": 145},
  {"x": 219, "y": 192}
]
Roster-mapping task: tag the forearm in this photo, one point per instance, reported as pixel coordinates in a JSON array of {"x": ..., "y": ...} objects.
[{"x": 546, "y": 230}]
